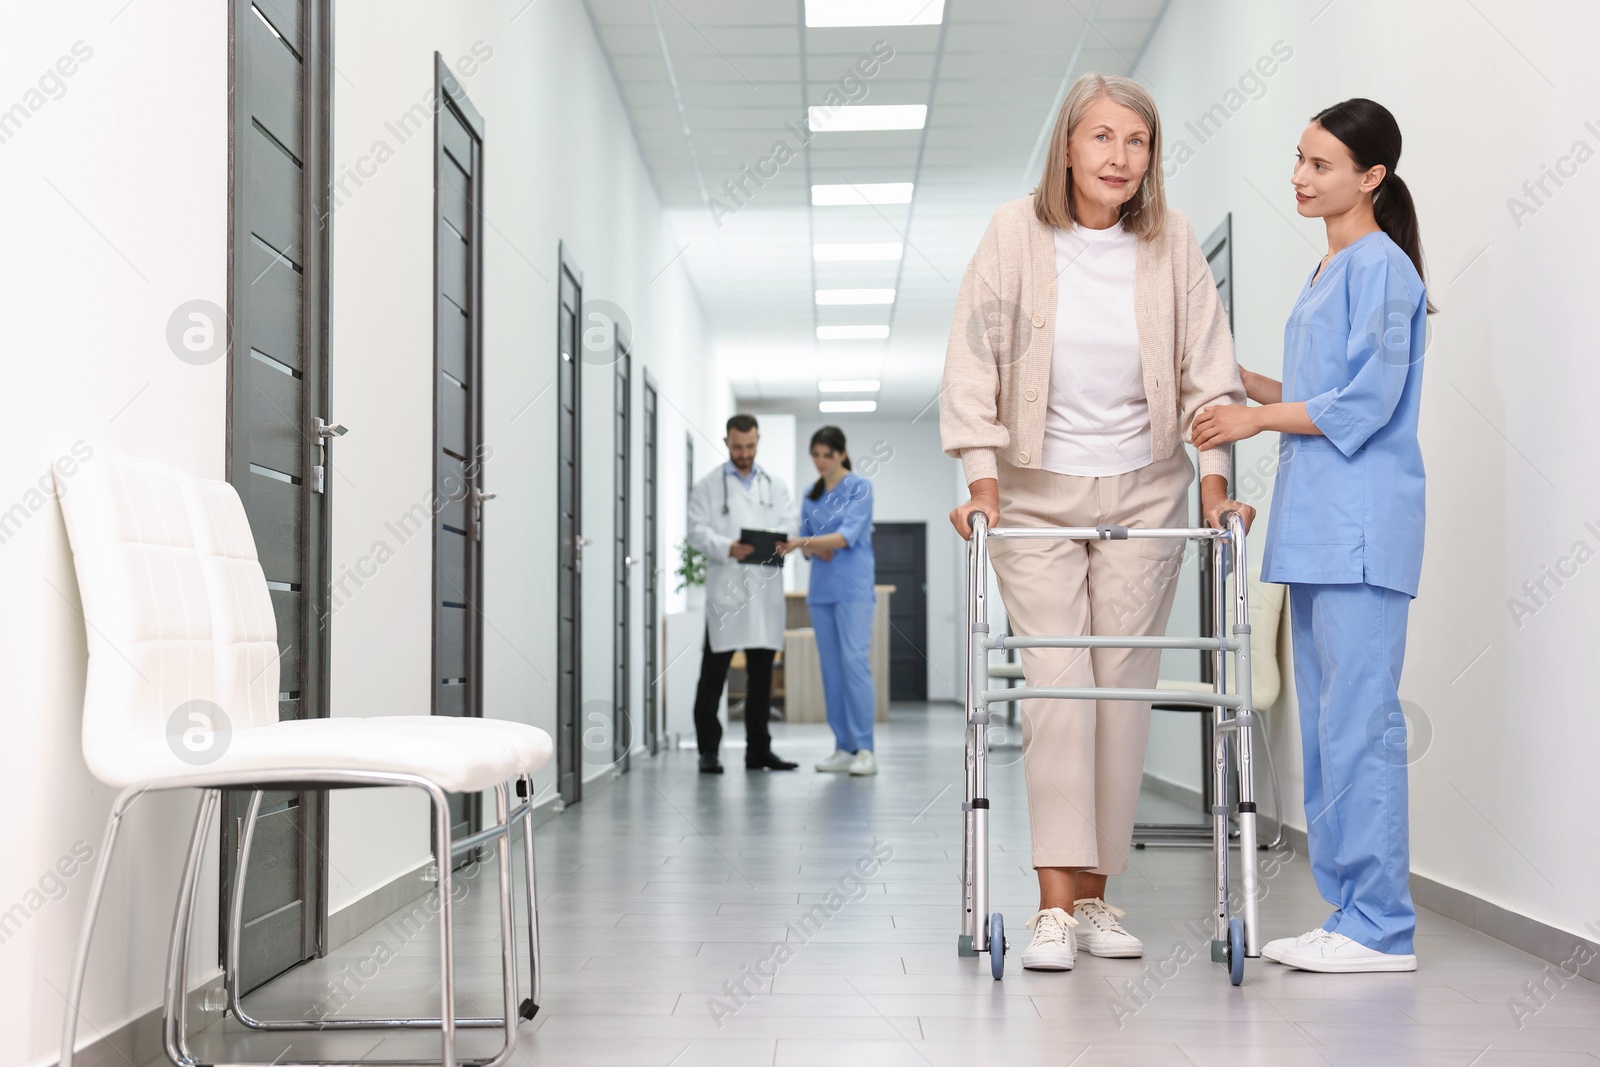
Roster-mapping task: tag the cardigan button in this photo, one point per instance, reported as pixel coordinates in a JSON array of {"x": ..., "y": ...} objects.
[
  {"x": 1038, "y": 321},
  {"x": 1030, "y": 395},
  {"x": 1022, "y": 457}
]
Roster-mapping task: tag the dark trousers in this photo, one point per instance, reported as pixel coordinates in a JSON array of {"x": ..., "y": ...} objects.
[{"x": 757, "y": 703}]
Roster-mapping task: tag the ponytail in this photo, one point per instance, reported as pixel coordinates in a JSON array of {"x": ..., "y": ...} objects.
[
  {"x": 1372, "y": 135},
  {"x": 831, "y": 438}
]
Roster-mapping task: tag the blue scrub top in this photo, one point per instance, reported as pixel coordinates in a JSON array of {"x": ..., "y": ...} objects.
[
  {"x": 1348, "y": 507},
  {"x": 844, "y": 509}
]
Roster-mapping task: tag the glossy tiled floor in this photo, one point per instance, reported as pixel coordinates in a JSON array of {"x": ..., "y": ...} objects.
[{"x": 659, "y": 892}]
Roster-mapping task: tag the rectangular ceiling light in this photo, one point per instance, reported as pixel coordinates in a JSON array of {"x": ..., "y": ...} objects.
[
  {"x": 874, "y": 12},
  {"x": 844, "y": 386},
  {"x": 855, "y": 296},
  {"x": 846, "y": 405},
  {"x": 852, "y": 333},
  {"x": 857, "y": 253},
  {"x": 853, "y": 195},
  {"x": 855, "y": 117}
]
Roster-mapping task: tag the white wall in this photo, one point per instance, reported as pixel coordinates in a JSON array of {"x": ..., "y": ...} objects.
[
  {"x": 912, "y": 481},
  {"x": 120, "y": 182},
  {"x": 1503, "y": 794}
]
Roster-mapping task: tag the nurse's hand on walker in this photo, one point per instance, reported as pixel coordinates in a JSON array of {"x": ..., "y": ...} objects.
[{"x": 985, "y": 493}]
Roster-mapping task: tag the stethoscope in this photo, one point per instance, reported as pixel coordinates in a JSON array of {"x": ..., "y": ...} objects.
[{"x": 765, "y": 497}]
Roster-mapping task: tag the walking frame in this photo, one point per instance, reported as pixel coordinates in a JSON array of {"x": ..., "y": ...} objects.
[{"x": 1233, "y": 715}]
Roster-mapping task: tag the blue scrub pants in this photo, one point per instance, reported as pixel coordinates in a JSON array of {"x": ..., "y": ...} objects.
[
  {"x": 1349, "y": 644},
  {"x": 844, "y": 636}
]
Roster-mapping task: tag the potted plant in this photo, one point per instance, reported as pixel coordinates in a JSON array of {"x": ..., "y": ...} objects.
[{"x": 691, "y": 574}]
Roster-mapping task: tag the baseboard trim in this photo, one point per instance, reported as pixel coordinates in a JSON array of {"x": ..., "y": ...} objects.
[
  {"x": 367, "y": 911},
  {"x": 1167, "y": 789},
  {"x": 1571, "y": 955},
  {"x": 139, "y": 1041}
]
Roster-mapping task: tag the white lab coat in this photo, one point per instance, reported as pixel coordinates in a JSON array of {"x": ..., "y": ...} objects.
[{"x": 744, "y": 602}]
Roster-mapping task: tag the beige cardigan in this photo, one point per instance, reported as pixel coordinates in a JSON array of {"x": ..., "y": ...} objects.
[{"x": 997, "y": 366}]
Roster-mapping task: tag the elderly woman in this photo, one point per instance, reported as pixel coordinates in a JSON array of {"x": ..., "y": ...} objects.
[{"x": 1087, "y": 335}]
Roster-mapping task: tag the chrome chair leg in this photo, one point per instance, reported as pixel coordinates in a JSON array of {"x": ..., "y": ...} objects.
[
  {"x": 175, "y": 1037},
  {"x": 235, "y": 931},
  {"x": 91, "y": 915},
  {"x": 444, "y": 858},
  {"x": 530, "y": 878},
  {"x": 508, "y": 935}
]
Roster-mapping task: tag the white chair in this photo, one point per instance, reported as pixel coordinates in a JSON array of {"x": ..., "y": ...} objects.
[{"x": 179, "y": 623}]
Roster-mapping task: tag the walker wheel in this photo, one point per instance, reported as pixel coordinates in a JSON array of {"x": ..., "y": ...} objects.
[
  {"x": 1235, "y": 951},
  {"x": 997, "y": 945}
]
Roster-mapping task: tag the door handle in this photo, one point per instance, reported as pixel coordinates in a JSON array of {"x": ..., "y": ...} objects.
[
  {"x": 582, "y": 541},
  {"x": 319, "y": 473},
  {"x": 630, "y": 561},
  {"x": 478, "y": 496}
]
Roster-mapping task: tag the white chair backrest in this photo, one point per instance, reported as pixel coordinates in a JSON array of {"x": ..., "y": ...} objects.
[
  {"x": 175, "y": 605},
  {"x": 145, "y": 607},
  {"x": 244, "y": 631}
]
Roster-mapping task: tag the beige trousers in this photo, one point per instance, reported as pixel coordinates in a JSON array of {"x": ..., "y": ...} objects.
[{"x": 1084, "y": 760}]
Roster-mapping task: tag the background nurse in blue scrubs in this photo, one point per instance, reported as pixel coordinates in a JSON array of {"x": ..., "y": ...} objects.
[
  {"x": 836, "y": 536},
  {"x": 1346, "y": 528}
]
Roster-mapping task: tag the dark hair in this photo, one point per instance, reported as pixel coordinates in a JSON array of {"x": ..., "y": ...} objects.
[
  {"x": 742, "y": 423},
  {"x": 1372, "y": 135},
  {"x": 831, "y": 438}
]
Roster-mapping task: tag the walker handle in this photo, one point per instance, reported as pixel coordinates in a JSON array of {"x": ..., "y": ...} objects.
[{"x": 974, "y": 518}]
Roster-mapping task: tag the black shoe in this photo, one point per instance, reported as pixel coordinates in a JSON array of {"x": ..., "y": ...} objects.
[
  {"x": 710, "y": 765},
  {"x": 771, "y": 762}
]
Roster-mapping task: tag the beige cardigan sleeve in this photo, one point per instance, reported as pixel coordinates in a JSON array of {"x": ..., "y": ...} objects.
[
  {"x": 969, "y": 394},
  {"x": 1208, "y": 372}
]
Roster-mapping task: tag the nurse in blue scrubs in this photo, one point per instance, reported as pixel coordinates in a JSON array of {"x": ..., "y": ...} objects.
[
  {"x": 836, "y": 536},
  {"x": 1346, "y": 528}
]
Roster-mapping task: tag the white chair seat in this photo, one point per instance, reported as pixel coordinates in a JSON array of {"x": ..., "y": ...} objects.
[
  {"x": 455, "y": 760},
  {"x": 533, "y": 746}
]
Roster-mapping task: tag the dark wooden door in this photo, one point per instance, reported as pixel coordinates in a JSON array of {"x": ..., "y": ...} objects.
[
  {"x": 900, "y": 549},
  {"x": 278, "y": 459},
  {"x": 652, "y": 563},
  {"x": 569, "y": 535},
  {"x": 622, "y": 557},
  {"x": 458, "y": 528}
]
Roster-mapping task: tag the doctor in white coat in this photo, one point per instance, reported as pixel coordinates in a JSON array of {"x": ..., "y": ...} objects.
[{"x": 744, "y": 601}]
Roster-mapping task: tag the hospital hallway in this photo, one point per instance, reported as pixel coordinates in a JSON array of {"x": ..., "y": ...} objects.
[
  {"x": 435, "y": 425},
  {"x": 664, "y": 891}
]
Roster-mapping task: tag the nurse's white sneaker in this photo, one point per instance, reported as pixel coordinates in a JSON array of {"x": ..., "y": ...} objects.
[
  {"x": 837, "y": 763},
  {"x": 1053, "y": 948},
  {"x": 1273, "y": 950},
  {"x": 1099, "y": 933},
  {"x": 1332, "y": 953},
  {"x": 865, "y": 763}
]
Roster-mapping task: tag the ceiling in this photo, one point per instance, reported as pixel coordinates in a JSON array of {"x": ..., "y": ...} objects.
[{"x": 712, "y": 86}]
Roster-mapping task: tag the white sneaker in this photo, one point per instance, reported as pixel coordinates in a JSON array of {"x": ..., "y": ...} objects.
[
  {"x": 1053, "y": 948},
  {"x": 865, "y": 763},
  {"x": 1099, "y": 933},
  {"x": 837, "y": 763},
  {"x": 1332, "y": 953},
  {"x": 1274, "y": 950}
]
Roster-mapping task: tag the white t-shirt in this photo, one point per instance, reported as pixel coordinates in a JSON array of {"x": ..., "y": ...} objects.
[{"x": 1098, "y": 422}]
